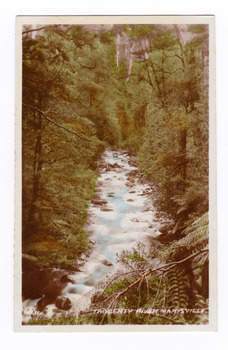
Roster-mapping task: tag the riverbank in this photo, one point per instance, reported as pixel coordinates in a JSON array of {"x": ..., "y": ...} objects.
[{"x": 121, "y": 214}]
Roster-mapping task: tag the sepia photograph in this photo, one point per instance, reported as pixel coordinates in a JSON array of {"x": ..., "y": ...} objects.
[{"x": 115, "y": 220}]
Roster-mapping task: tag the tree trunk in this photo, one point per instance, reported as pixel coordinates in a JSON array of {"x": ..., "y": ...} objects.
[
  {"x": 37, "y": 166},
  {"x": 183, "y": 159}
]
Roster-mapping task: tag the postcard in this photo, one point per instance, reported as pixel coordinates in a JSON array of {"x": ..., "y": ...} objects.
[{"x": 115, "y": 224}]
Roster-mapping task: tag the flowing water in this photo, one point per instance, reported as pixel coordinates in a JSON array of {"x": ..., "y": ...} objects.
[{"x": 121, "y": 215}]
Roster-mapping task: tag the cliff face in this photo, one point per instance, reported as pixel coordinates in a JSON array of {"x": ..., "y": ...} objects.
[
  {"x": 133, "y": 49},
  {"x": 138, "y": 48}
]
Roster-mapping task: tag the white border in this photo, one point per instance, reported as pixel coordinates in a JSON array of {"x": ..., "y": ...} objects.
[
  {"x": 116, "y": 20},
  {"x": 176, "y": 341}
]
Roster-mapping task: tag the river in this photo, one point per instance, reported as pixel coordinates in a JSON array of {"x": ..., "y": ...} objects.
[{"x": 121, "y": 214}]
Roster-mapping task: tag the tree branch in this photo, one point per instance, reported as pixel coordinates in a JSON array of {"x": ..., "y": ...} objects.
[
  {"x": 87, "y": 67},
  {"x": 178, "y": 56},
  {"x": 61, "y": 54},
  {"x": 149, "y": 81},
  {"x": 56, "y": 124},
  {"x": 41, "y": 28},
  {"x": 165, "y": 71},
  {"x": 149, "y": 271},
  {"x": 149, "y": 77}
]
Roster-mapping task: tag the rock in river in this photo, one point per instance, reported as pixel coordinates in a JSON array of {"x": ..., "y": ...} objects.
[{"x": 63, "y": 303}]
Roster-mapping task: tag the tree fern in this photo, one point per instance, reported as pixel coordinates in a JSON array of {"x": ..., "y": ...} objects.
[
  {"x": 195, "y": 238},
  {"x": 178, "y": 288}
]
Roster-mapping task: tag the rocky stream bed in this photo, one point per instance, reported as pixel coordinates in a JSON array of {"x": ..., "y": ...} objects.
[{"x": 123, "y": 212}]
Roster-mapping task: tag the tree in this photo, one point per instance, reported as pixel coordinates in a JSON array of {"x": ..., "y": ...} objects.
[
  {"x": 68, "y": 116},
  {"x": 175, "y": 113}
]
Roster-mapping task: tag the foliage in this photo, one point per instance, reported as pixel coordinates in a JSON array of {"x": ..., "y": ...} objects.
[
  {"x": 179, "y": 282},
  {"x": 138, "y": 31},
  {"x": 75, "y": 102},
  {"x": 172, "y": 123},
  {"x": 117, "y": 286},
  {"x": 135, "y": 257},
  {"x": 68, "y": 118}
]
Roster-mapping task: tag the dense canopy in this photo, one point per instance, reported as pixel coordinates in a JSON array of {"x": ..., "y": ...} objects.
[{"x": 88, "y": 88}]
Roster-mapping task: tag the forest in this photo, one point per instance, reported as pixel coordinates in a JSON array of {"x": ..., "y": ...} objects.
[{"x": 83, "y": 94}]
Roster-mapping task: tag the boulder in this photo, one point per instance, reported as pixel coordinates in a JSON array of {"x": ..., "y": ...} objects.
[
  {"x": 107, "y": 263},
  {"x": 43, "y": 302},
  {"x": 96, "y": 201},
  {"x": 39, "y": 280},
  {"x": 110, "y": 194},
  {"x": 63, "y": 303},
  {"x": 106, "y": 209}
]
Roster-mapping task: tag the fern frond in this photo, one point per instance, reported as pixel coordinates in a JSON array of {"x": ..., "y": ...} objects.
[
  {"x": 195, "y": 238},
  {"x": 178, "y": 288}
]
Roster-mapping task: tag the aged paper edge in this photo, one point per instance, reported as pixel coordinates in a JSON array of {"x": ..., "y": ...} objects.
[{"x": 180, "y": 19}]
